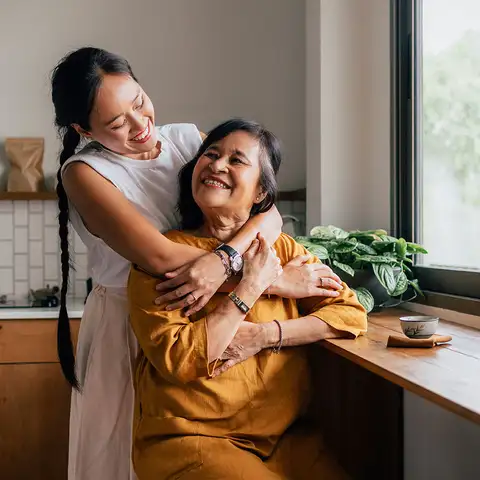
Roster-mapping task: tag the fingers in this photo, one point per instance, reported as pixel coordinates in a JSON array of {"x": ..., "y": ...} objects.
[
  {"x": 228, "y": 364},
  {"x": 252, "y": 250},
  {"x": 198, "y": 305},
  {"x": 326, "y": 282},
  {"x": 172, "y": 283},
  {"x": 323, "y": 292},
  {"x": 263, "y": 245},
  {"x": 183, "y": 303},
  {"x": 174, "y": 294},
  {"x": 327, "y": 271},
  {"x": 177, "y": 272},
  {"x": 299, "y": 260}
]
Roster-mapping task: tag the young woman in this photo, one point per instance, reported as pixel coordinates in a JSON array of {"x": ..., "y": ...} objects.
[{"x": 120, "y": 192}]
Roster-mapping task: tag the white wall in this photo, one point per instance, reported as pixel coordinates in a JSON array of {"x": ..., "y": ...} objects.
[
  {"x": 438, "y": 444},
  {"x": 200, "y": 61},
  {"x": 348, "y": 113}
]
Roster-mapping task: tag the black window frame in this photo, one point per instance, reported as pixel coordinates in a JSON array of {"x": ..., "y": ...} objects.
[{"x": 452, "y": 289}]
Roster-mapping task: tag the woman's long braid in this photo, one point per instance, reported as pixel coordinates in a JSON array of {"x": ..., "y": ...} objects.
[{"x": 71, "y": 140}]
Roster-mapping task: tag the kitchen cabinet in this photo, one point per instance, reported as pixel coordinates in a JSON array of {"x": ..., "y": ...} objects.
[{"x": 34, "y": 401}]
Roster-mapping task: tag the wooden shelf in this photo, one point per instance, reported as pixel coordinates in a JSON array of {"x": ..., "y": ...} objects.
[{"x": 28, "y": 196}]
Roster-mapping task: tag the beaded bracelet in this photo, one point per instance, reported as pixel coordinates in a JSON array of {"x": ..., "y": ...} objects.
[{"x": 277, "y": 348}]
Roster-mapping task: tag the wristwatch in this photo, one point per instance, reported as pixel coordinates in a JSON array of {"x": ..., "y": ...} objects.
[{"x": 235, "y": 259}]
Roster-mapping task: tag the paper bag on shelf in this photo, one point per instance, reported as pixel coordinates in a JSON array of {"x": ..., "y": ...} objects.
[{"x": 26, "y": 164}]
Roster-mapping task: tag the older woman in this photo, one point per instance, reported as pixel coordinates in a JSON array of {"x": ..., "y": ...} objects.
[{"x": 220, "y": 394}]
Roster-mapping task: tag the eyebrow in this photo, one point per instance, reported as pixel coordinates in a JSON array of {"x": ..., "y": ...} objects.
[
  {"x": 238, "y": 153},
  {"x": 121, "y": 114}
]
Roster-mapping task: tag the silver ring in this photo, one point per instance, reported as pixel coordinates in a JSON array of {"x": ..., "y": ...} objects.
[
  {"x": 194, "y": 299},
  {"x": 321, "y": 282}
]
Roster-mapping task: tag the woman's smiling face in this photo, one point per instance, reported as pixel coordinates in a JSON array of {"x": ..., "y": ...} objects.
[
  {"x": 123, "y": 118},
  {"x": 226, "y": 178}
]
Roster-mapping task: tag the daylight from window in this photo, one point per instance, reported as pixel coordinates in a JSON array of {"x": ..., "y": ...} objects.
[{"x": 449, "y": 139}]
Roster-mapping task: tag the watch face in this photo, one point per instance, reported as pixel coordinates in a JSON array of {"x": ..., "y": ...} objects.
[{"x": 237, "y": 263}]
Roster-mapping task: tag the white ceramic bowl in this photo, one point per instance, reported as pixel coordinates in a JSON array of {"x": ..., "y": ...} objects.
[{"x": 419, "y": 326}]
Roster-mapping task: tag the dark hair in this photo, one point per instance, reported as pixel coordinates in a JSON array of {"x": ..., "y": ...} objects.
[
  {"x": 270, "y": 160},
  {"x": 75, "y": 81}
]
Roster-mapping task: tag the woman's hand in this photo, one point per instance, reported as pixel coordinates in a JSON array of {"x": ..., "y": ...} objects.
[
  {"x": 302, "y": 280},
  {"x": 248, "y": 341},
  {"x": 194, "y": 284},
  {"x": 261, "y": 266}
]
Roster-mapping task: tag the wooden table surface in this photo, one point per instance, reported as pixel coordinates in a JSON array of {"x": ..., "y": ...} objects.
[{"x": 448, "y": 375}]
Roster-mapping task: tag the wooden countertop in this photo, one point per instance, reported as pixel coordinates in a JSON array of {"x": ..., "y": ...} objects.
[{"x": 447, "y": 375}]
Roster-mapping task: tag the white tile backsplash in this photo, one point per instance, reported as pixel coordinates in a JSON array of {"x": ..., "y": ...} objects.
[
  {"x": 21, "y": 239},
  {"x": 50, "y": 214},
  {"x": 36, "y": 253},
  {"x": 20, "y": 213},
  {"x": 36, "y": 279},
  {"x": 35, "y": 227},
  {"x": 51, "y": 240},
  {"x": 29, "y": 249},
  {"x": 6, "y": 281},
  {"x": 21, "y": 267},
  {"x": 6, "y": 226},
  {"x": 51, "y": 267},
  {"x": 35, "y": 206},
  {"x": 6, "y": 254},
  {"x": 6, "y": 206}
]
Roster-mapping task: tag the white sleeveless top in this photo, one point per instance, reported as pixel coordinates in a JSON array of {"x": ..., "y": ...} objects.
[{"x": 151, "y": 185}]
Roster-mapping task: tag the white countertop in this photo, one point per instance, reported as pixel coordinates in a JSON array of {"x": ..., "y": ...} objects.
[{"x": 74, "y": 305}]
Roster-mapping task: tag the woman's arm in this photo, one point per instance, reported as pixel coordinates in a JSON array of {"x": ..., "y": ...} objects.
[
  {"x": 109, "y": 215},
  {"x": 178, "y": 347}
]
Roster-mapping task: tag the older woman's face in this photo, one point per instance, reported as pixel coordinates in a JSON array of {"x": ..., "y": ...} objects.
[{"x": 227, "y": 175}]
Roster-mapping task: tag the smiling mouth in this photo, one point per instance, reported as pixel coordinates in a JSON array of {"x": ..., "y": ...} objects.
[
  {"x": 142, "y": 136},
  {"x": 210, "y": 182}
]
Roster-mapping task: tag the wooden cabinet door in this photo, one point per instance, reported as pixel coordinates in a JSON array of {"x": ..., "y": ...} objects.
[{"x": 34, "y": 418}]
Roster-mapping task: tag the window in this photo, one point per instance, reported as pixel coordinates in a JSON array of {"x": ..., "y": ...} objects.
[{"x": 436, "y": 139}]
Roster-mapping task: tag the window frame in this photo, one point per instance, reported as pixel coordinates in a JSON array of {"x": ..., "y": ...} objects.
[{"x": 452, "y": 289}]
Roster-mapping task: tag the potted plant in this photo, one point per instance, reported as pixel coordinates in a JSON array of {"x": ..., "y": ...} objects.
[{"x": 371, "y": 262}]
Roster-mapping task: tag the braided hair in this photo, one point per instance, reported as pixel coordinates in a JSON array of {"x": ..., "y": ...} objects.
[{"x": 75, "y": 82}]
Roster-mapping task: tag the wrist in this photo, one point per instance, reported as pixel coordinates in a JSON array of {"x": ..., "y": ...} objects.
[
  {"x": 248, "y": 291},
  {"x": 271, "y": 334}
]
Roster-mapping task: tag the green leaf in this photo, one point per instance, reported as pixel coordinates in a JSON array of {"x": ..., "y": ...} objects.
[
  {"x": 361, "y": 247},
  {"x": 401, "y": 247},
  {"x": 346, "y": 268},
  {"x": 415, "y": 248},
  {"x": 329, "y": 233},
  {"x": 402, "y": 284},
  {"x": 388, "y": 239},
  {"x": 376, "y": 258},
  {"x": 365, "y": 298},
  {"x": 319, "y": 251},
  {"x": 407, "y": 268},
  {"x": 385, "y": 276},
  {"x": 415, "y": 286},
  {"x": 346, "y": 246}
]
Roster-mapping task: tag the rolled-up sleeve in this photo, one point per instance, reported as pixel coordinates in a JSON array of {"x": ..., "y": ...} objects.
[
  {"x": 175, "y": 345},
  {"x": 344, "y": 313}
]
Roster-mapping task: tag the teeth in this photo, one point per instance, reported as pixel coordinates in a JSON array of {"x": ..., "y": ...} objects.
[
  {"x": 144, "y": 134},
  {"x": 214, "y": 183}
]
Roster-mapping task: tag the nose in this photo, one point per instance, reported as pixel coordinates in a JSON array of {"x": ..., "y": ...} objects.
[
  {"x": 137, "y": 123},
  {"x": 219, "y": 164}
]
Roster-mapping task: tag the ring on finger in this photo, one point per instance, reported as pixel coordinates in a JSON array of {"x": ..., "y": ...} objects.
[
  {"x": 321, "y": 282},
  {"x": 194, "y": 299}
]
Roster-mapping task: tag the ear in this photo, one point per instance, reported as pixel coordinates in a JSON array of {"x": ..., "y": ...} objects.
[
  {"x": 81, "y": 131},
  {"x": 260, "y": 197}
]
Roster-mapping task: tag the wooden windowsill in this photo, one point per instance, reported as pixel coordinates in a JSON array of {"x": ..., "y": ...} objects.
[{"x": 447, "y": 375}]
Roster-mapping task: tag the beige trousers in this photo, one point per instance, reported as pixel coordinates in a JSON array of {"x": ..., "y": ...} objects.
[{"x": 101, "y": 413}]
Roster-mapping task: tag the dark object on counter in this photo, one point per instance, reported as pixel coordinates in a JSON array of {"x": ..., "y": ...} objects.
[
  {"x": 3, "y": 299},
  {"x": 89, "y": 288},
  {"x": 44, "y": 297}
]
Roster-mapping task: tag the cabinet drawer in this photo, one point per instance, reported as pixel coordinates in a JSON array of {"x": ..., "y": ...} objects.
[{"x": 31, "y": 341}]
